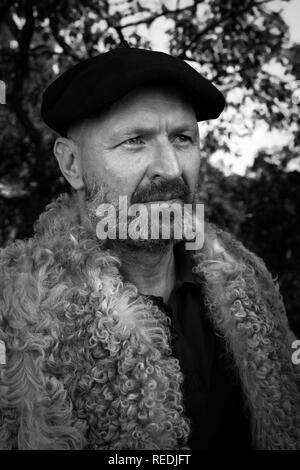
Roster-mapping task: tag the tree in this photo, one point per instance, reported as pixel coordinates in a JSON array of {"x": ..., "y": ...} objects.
[
  {"x": 262, "y": 210},
  {"x": 273, "y": 218}
]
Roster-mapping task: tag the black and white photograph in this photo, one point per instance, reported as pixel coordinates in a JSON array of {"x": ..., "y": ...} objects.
[{"x": 150, "y": 227}]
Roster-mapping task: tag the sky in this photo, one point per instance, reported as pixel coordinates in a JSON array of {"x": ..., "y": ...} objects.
[
  {"x": 261, "y": 138},
  {"x": 291, "y": 14},
  {"x": 248, "y": 146}
]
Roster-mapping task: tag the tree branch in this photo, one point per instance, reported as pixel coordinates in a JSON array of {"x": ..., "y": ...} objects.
[
  {"x": 59, "y": 39},
  {"x": 164, "y": 12},
  {"x": 22, "y": 58},
  {"x": 213, "y": 24},
  {"x": 16, "y": 32},
  {"x": 109, "y": 20},
  {"x": 21, "y": 72}
]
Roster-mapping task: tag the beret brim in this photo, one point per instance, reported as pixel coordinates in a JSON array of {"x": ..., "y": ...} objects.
[{"x": 97, "y": 82}]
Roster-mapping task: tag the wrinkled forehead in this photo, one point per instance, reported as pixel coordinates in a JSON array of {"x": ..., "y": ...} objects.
[{"x": 150, "y": 99}]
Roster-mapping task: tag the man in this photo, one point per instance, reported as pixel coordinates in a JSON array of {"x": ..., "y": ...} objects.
[{"x": 135, "y": 342}]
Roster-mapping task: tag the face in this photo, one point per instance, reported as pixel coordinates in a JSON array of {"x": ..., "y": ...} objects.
[
  {"x": 145, "y": 147},
  {"x": 146, "y": 139}
]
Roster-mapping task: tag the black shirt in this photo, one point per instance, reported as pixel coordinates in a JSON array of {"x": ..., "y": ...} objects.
[{"x": 212, "y": 393}]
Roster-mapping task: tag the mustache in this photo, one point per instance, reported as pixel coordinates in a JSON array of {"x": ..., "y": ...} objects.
[{"x": 161, "y": 191}]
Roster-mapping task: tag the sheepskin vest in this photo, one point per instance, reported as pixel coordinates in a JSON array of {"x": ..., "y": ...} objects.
[{"x": 88, "y": 360}]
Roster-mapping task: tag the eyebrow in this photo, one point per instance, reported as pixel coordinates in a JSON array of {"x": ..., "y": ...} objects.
[{"x": 146, "y": 130}]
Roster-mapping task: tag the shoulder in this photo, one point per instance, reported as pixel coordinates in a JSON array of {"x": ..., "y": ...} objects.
[
  {"x": 222, "y": 246},
  {"x": 16, "y": 262},
  {"x": 239, "y": 281}
]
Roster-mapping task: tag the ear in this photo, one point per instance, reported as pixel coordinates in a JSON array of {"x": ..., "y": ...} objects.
[{"x": 67, "y": 154}]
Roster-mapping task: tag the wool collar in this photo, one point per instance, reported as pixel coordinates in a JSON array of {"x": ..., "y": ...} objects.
[{"x": 90, "y": 363}]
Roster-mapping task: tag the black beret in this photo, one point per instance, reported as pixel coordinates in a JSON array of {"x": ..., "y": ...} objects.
[{"x": 95, "y": 83}]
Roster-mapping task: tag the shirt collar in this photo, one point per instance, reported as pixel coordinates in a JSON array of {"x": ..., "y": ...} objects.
[
  {"x": 184, "y": 271},
  {"x": 183, "y": 265}
]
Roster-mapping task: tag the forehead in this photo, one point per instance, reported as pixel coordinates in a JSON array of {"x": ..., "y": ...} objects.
[{"x": 144, "y": 104}]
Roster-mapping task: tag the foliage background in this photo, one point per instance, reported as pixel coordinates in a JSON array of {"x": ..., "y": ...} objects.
[{"x": 243, "y": 46}]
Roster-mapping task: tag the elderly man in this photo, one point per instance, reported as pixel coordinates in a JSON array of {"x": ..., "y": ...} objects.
[{"x": 124, "y": 342}]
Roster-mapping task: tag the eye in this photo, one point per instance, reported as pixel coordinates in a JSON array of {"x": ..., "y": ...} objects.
[
  {"x": 182, "y": 139},
  {"x": 139, "y": 140}
]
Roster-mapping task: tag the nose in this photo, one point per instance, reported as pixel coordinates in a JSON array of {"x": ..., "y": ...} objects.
[{"x": 164, "y": 162}]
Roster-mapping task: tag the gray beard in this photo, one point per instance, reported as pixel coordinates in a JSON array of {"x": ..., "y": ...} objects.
[{"x": 95, "y": 194}]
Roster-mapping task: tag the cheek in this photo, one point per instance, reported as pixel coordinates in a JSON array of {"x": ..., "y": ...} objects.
[
  {"x": 191, "y": 168},
  {"x": 121, "y": 176}
]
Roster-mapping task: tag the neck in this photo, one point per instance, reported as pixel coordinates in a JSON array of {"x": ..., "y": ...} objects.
[{"x": 153, "y": 272}]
